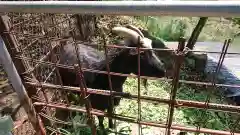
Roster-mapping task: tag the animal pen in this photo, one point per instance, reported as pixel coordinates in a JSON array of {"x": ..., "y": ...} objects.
[{"x": 32, "y": 33}]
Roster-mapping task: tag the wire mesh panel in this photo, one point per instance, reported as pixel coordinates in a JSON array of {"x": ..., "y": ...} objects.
[{"x": 71, "y": 97}]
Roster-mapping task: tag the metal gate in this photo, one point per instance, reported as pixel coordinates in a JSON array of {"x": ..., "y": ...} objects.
[{"x": 33, "y": 33}]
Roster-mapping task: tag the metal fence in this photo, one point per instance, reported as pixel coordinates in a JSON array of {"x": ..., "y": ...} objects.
[{"x": 33, "y": 33}]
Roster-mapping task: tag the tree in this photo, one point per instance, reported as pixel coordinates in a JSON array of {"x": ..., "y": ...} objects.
[
  {"x": 86, "y": 25},
  {"x": 196, "y": 32},
  {"x": 235, "y": 21}
]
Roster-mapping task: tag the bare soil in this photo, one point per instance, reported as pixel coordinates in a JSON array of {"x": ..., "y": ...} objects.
[{"x": 10, "y": 105}]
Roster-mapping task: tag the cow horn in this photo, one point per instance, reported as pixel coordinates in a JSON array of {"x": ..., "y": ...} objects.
[
  {"x": 127, "y": 32},
  {"x": 135, "y": 29}
]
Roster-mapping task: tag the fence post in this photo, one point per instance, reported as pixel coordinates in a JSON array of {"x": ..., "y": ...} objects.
[
  {"x": 179, "y": 57},
  {"x": 8, "y": 42}
]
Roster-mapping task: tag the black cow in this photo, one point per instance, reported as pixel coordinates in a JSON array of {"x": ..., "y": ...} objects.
[{"x": 121, "y": 61}]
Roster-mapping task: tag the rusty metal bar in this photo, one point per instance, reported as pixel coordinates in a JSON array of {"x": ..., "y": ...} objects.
[
  {"x": 231, "y": 53},
  {"x": 85, "y": 97},
  {"x": 83, "y": 88},
  {"x": 139, "y": 90},
  {"x": 111, "y": 107},
  {"x": 220, "y": 61},
  {"x": 127, "y": 75},
  {"x": 213, "y": 81},
  {"x": 19, "y": 88},
  {"x": 178, "y": 62},
  {"x": 178, "y": 103},
  {"x": 131, "y": 120}
]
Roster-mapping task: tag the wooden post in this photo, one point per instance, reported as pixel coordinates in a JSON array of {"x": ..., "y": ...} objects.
[{"x": 15, "y": 74}]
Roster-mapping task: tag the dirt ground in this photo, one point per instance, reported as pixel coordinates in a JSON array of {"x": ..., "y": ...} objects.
[{"x": 9, "y": 105}]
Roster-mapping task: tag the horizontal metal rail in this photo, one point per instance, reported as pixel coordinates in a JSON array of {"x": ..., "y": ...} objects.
[
  {"x": 131, "y": 120},
  {"x": 178, "y": 102},
  {"x": 127, "y": 75},
  {"x": 152, "y": 8}
]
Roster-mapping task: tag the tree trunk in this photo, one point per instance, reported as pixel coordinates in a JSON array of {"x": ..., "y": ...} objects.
[
  {"x": 86, "y": 25},
  {"x": 196, "y": 32}
]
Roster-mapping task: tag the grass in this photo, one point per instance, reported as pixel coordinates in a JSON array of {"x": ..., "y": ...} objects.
[{"x": 159, "y": 112}]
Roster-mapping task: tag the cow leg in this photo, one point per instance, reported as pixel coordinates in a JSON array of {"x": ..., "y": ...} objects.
[
  {"x": 110, "y": 111},
  {"x": 110, "y": 122},
  {"x": 100, "y": 121}
]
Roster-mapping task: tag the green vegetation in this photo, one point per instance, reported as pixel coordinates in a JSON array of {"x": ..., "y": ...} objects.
[
  {"x": 159, "y": 112},
  {"x": 171, "y": 28},
  {"x": 192, "y": 117}
]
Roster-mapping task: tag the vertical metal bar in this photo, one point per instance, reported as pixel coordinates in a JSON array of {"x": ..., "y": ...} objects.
[
  {"x": 85, "y": 96},
  {"x": 19, "y": 88},
  {"x": 220, "y": 61},
  {"x": 224, "y": 53},
  {"x": 139, "y": 90},
  {"x": 83, "y": 88},
  {"x": 214, "y": 78},
  {"x": 178, "y": 61},
  {"x": 111, "y": 107},
  {"x": 219, "y": 65}
]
